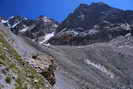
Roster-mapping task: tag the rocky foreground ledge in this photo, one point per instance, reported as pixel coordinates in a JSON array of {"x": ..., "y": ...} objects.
[{"x": 22, "y": 72}]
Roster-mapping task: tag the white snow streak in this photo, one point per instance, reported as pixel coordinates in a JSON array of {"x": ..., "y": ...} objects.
[
  {"x": 46, "y": 44},
  {"x": 55, "y": 25},
  {"x": 128, "y": 34},
  {"x": 47, "y": 37},
  {"x": 126, "y": 26},
  {"x": 74, "y": 32},
  {"x": 4, "y": 21},
  {"x": 91, "y": 32},
  {"x": 46, "y": 19},
  {"x": 15, "y": 25},
  {"x": 11, "y": 17},
  {"x": 24, "y": 29},
  {"x": 82, "y": 16},
  {"x": 25, "y": 18},
  {"x": 100, "y": 67}
]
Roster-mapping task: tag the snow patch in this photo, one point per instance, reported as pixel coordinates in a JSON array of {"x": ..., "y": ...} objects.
[
  {"x": 93, "y": 31},
  {"x": 15, "y": 25},
  {"x": 101, "y": 68},
  {"x": 55, "y": 25},
  {"x": 126, "y": 26},
  {"x": 25, "y": 18},
  {"x": 128, "y": 34},
  {"x": 82, "y": 16},
  {"x": 4, "y": 21},
  {"x": 24, "y": 29},
  {"x": 125, "y": 46},
  {"x": 46, "y": 44},
  {"x": 11, "y": 17},
  {"x": 73, "y": 32},
  {"x": 47, "y": 37},
  {"x": 46, "y": 19},
  {"x": 8, "y": 25}
]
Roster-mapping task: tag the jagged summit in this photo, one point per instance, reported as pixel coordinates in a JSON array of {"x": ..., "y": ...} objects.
[
  {"x": 89, "y": 15},
  {"x": 94, "y": 4},
  {"x": 92, "y": 23},
  {"x": 99, "y": 4}
]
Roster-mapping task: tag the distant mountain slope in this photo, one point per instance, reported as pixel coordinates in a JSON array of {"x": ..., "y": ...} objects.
[
  {"x": 39, "y": 30},
  {"x": 93, "y": 23}
]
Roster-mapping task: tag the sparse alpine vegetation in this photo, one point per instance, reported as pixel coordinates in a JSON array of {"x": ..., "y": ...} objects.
[{"x": 15, "y": 72}]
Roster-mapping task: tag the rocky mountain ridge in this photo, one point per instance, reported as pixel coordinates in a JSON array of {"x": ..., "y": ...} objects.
[
  {"x": 39, "y": 30},
  {"x": 87, "y": 24},
  {"x": 97, "y": 22}
]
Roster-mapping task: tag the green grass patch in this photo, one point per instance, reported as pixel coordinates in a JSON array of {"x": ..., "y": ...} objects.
[
  {"x": 24, "y": 72},
  {"x": 8, "y": 79}
]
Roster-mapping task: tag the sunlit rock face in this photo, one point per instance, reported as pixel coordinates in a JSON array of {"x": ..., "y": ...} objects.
[{"x": 97, "y": 22}]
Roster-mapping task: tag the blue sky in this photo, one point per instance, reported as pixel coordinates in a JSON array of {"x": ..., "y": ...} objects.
[{"x": 56, "y": 9}]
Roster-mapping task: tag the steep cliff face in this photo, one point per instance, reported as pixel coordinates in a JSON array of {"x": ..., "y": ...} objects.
[
  {"x": 19, "y": 72},
  {"x": 93, "y": 23}
]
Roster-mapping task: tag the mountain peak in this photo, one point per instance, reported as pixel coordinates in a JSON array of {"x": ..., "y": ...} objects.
[
  {"x": 44, "y": 19},
  {"x": 93, "y": 23},
  {"x": 99, "y": 3},
  {"x": 94, "y": 4},
  {"x": 83, "y": 5}
]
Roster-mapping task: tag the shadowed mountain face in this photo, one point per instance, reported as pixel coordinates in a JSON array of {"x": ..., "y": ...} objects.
[{"x": 97, "y": 22}]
